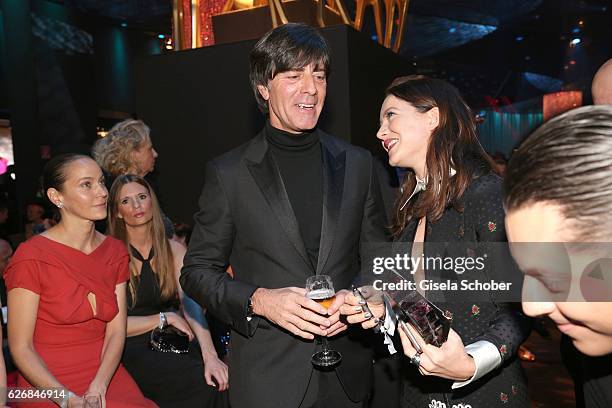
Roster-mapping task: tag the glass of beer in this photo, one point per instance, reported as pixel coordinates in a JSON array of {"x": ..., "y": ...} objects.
[{"x": 321, "y": 289}]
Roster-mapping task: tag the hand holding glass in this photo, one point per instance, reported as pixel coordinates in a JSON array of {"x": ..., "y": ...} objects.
[{"x": 321, "y": 289}]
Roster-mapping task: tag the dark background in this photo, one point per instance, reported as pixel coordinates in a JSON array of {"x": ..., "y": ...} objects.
[{"x": 209, "y": 98}]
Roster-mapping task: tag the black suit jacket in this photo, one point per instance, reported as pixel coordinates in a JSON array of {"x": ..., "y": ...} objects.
[{"x": 246, "y": 220}]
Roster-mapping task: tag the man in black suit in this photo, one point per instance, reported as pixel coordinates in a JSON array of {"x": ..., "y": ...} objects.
[{"x": 290, "y": 203}]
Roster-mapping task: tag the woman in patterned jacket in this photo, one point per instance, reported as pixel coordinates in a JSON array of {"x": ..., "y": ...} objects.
[{"x": 451, "y": 203}]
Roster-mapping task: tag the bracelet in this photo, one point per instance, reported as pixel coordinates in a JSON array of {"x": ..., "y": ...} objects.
[{"x": 163, "y": 321}]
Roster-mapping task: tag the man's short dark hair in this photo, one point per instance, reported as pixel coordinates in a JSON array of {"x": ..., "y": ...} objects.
[
  {"x": 284, "y": 48},
  {"x": 567, "y": 162}
]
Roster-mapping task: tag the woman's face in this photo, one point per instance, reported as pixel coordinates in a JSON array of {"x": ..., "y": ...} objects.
[
  {"x": 538, "y": 233},
  {"x": 144, "y": 158},
  {"x": 405, "y": 133},
  {"x": 83, "y": 194},
  {"x": 135, "y": 205}
]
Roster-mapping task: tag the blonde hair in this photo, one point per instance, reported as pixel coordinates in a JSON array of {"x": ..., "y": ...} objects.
[
  {"x": 163, "y": 259},
  {"x": 114, "y": 152}
]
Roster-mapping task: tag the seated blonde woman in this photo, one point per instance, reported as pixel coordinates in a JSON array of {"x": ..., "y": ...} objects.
[{"x": 155, "y": 299}]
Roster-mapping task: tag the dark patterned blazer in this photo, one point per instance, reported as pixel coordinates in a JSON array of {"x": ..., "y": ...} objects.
[{"x": 474, "y": 318}]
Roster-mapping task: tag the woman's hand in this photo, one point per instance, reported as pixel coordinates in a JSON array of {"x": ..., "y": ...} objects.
[
  {"x": 217, "y": 369},
  {"x": 176, "y": 320},
  {"x": 448, "y": 361},
  {"x": 355, "y": 312},
  {"x": 75, "y": 401},
  {"x": 95, "y": 389}
]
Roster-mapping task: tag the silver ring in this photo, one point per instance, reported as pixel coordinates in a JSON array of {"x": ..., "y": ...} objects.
[{"x": 416, "y": 360}]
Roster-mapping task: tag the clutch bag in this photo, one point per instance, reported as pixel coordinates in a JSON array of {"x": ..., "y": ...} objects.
[
  {"x": 432, "y": 324},
  {"x": 169, "y": 340}
]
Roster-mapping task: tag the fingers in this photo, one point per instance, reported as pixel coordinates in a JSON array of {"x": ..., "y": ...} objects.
[
  {"x": 312, "y": 317},
  {"x": 220, "y": 374},
  {"x": 307, "y": 326},
  {"x": 370, "y": 323},
  {"x": 184, "y": 329},
  {"x": 310, "y": 304},
  {"x": 333, "y": 319},
  {"x": 336, "y": 328},
  {"x": 351, "y": 299},
  {"x": 208, "y": 377},
  {"x": 338, "y": 301},
  {"x": 297, "y": 331}
]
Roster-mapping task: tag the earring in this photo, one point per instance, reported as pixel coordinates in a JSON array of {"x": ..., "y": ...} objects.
[{"x": 60, "y": 205}]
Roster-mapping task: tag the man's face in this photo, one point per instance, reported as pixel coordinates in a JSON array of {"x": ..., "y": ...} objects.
[
  {"x": 538, "y": 233},
  {"x": 295, "y": 98}
]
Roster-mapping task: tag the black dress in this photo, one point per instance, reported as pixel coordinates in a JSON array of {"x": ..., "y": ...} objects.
[{"x": 171, "y": 380}]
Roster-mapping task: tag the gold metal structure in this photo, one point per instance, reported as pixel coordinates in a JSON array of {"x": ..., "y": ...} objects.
[
  {"x": 360, "y": 11},
  {"x": 402, "y": 10}
]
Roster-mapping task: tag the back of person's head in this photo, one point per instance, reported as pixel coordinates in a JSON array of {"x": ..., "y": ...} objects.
[
  {"x": 114, "y": 152},
  {"x": 453, "y": 145},
  {"x": 568, "y": 162},
  {"x": 601, "y": 87},
  {"x": 163, "y": 262},
  {"x": 292, "y": 45}
]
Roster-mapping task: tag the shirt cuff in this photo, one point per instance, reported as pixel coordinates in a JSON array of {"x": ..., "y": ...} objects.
[
  {"x": 486, "y": 359},
  {"x": 387, "y": 328}
]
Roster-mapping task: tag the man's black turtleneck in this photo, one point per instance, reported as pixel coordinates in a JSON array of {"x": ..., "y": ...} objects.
[{"x": 300, "y": 162}]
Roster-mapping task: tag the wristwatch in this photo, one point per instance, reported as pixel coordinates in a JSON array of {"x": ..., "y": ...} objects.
[
  {"x": 250, "y": 312},
  {"x": 163, "y": 321}
]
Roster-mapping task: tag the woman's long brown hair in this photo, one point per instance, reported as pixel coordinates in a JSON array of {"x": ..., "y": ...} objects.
[
  {"x": 163, "y": 260},
  {"x": 453, "y": 144}
]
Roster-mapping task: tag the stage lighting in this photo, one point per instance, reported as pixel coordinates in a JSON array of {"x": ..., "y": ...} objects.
[{"x": 575, "y": 41}]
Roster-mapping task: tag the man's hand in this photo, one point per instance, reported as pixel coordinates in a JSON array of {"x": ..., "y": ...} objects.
[
  {"x": 290, "y": 309},
  {"x": 337, "y": 326}
]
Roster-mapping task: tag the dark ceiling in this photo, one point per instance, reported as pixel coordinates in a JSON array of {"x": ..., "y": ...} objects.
[{"x": 485, "y": 47}]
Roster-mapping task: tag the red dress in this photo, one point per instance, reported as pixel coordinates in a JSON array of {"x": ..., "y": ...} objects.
[{"x": 68, "y": 335}]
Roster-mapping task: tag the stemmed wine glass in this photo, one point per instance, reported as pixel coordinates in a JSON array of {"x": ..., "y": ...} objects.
[{"x": 321, "y": 289}]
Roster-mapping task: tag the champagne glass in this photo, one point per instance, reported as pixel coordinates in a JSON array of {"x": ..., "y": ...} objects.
[
  {"x": 92, "y": 400},
  {"x": 321, "y": 289}
]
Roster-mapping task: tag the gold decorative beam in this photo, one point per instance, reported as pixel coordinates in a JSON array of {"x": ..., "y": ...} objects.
[
  {"x": 402, "y": 10},
  {"x": 360, "y": 11},
  {"x": 196, "y": 24},
  {"x": 178, "y": 25}
]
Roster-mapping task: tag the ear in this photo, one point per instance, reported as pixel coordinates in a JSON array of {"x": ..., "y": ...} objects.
[
  {"x": 264, "y": 92},
  {"x": 434, "y": 118},
  {"x": 54, "y": 196}
]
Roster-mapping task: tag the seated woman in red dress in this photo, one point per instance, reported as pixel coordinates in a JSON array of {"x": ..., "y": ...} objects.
[{"x": 67, "y": 297}]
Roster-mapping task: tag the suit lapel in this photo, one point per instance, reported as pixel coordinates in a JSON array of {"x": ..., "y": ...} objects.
[
  {"x": 333, "y": 186},
  {"x": 267, "y": 176}
]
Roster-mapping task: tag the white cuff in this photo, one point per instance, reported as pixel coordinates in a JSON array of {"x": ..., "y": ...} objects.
[
  {"x": 486, "y": 359},
  {"x": 388, "y": 328}
]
